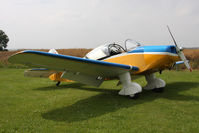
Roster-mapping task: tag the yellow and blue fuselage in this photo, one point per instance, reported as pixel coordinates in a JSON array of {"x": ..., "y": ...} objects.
[{"x": 148, "y": 58}]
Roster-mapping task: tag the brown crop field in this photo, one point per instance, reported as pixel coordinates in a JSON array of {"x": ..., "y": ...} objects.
[
  {"x": 73, "y": 52},
  {"x": 191, "y": 54}
]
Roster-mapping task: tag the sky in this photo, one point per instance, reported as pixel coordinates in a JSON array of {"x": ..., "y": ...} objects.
[{"x": 90, "y": 23}]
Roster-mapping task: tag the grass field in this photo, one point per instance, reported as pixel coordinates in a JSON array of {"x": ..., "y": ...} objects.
[{"x": 37, "y": 105}]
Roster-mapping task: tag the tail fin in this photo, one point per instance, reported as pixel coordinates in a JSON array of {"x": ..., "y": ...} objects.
[{"x": 53, "y": 51}]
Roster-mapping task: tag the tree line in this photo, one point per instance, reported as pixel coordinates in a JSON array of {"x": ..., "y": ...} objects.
[{"x": 3, "y": 41}]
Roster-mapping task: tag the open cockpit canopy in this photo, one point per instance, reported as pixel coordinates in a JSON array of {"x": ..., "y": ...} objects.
[{"x": 105, "y": 51}]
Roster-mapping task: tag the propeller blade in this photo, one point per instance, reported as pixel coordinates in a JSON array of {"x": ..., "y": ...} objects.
[
  {"x": 172, "y": 36},
  {"x": 179, "y": 52},
  {"x": 186, "y": 62}
]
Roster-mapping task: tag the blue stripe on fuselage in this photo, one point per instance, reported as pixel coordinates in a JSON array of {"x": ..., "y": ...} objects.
[{"x": 158, "y": 48}]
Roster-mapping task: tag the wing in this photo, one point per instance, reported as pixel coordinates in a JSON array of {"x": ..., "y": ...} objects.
[{"x": 78, "y": 67}]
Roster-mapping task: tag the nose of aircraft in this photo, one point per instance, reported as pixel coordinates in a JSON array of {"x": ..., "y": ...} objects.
[{"x": 180, "y": 52}]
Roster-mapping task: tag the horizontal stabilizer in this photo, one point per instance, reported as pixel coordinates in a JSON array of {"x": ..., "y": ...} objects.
[
  {"x": 84, "y": 78},
  {"x": 42, "y": 73},
  {"x": 53, "y": 51}
]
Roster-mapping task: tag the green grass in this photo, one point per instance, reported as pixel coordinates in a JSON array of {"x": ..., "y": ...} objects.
[{"x": 37, "y": 105}]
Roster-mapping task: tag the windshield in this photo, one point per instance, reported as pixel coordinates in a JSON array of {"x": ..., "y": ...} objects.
[{"x": 131, "y": 44}]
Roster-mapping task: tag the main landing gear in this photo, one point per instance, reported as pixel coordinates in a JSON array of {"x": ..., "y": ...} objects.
[
  {"x": 133, "y": 89},
  {"x": 130, "y": 89},
  {"x": 155, "y": 84}
]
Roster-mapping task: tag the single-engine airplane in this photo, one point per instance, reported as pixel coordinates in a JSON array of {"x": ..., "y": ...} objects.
[{"x": 106, "y": 62}]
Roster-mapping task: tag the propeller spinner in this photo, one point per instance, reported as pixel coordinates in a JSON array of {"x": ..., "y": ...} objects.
[{"x": 179, "y": 52}]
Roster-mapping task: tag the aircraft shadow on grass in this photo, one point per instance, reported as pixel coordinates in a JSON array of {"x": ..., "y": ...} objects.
[{"x": 109, "y": 101}]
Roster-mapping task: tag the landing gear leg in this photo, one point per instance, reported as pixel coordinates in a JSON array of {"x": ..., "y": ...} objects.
[
  {"x": 58, "y": 83},
  {"x": 155, "y": 84},
  {"x": 130, "y": 89}
]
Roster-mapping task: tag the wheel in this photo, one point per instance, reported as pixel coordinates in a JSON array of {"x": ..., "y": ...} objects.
[
  {"x": 135, "y": 96},
  {"x": 159, "y": 90},
  {"x": 58, "y": 83}
]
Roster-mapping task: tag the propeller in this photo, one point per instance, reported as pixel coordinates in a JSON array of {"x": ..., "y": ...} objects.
[{"x": 179, "y": 52}]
